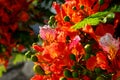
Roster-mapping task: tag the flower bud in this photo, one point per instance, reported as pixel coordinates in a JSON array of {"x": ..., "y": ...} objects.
[
  {"x": 28, "y": 54},
  {"x": 63, "y": 78},
  {"x": 67, "y": 73},
  {"x": 75, "y": 74},
  {"x": 100, "y": 78},
  {"x": 38, "y": 69},
  {"x": 34, "y": 58},
  {"x": 72, "y": 57},
  {"x": 87, "y": 48},
  {"x": 87, "y": 56},
  {"x": 67, "y": 19},
  {"x": 98, "y": 70},
  {"x": 101, "y": 2},
  {"x": 73, "y": 67},
  {"x": 73, "y": 8},
  {"x": 50, "y": 22},
  {"x": 85, "y": 72},
  {"x": 81, "y": 7},
  {"x": 38, "y": 48},
  {"x": 52, "y": 18}
]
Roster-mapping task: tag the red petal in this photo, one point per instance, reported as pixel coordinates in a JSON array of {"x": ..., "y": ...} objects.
[
  {"x": 38, "y": 48},
  {"x": 91, "y": 63},
  {"x": 56, "y": 6},
  {"x": 102, "y": 60}
]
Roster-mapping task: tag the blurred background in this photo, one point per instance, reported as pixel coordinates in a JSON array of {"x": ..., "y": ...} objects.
[{"x": 19, "y": 28}]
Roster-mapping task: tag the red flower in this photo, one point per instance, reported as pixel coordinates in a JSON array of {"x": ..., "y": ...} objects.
[
  {"x": 91, "y": 63},
  {"x": 117, "y": 19},
  {"x": 110, "y": 45},
  {"x": 56, "y": 6},
  {"x": 3, "y": 61},
  {"x": 14, "y": 27},
  {"x": 116, "y": 61},
  {"x": 11, "y": 13},
  {"x": 116, "y": 76},
  {"x": 88, "y": 29},
  {"x": 74, "y": 42},
  {"x": 86, "y": 78},
  {"x": 48, "y": 34},
  {"x": 20, "y": 48},
  {"x": 59, "y": 43},
  {"x": 37, "y": 77},
  {"x": 102, "y": 29},
  {"x": 24, "y": 16},
  {"x": 102, "y": 60},
  {"x": 38, "y": 48}
]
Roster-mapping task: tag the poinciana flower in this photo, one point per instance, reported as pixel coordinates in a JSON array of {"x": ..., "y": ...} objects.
[
  {"x": 46, "y": 33},
  {"x": 77, "y": 10},
  {"x": 86, "y": 51},
  {"x": 91, "y": 66},
  {"x": 110, "y": 45},
  {"x": 57, "y": 52},
  {"x": 102, "y": 61}
]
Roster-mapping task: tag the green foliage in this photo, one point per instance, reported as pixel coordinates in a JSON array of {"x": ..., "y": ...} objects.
[
  {"x": 18, "y": 58},
  {"x": 2, "y": 69},
  {"x": 99, "y": 14},
  {"x": 90, "y": 21},
  {"x": 115, "y": 8},
  {"x": 94, "y": 19}
]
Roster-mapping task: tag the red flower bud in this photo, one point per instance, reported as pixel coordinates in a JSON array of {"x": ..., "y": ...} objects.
[{"x": 38, "y": 48}]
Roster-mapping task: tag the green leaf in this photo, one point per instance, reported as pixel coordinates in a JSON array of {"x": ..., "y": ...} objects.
[
  {"x": 93, "y": 20},
  {"x": 116, "y": 8},
  {"x": 99, "y": 14},
  {"x": 35, "y": 2},
  {"x": 18, "y": 58},
  {"x": 90, "y": 21},
  {"x": 2, "y": 69}
]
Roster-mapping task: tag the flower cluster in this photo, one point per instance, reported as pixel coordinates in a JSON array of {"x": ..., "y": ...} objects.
[
  {"x": 18, "y": 19},
  {"x": 80, "y": 43},
  {"x": 12, "y": 15}
]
